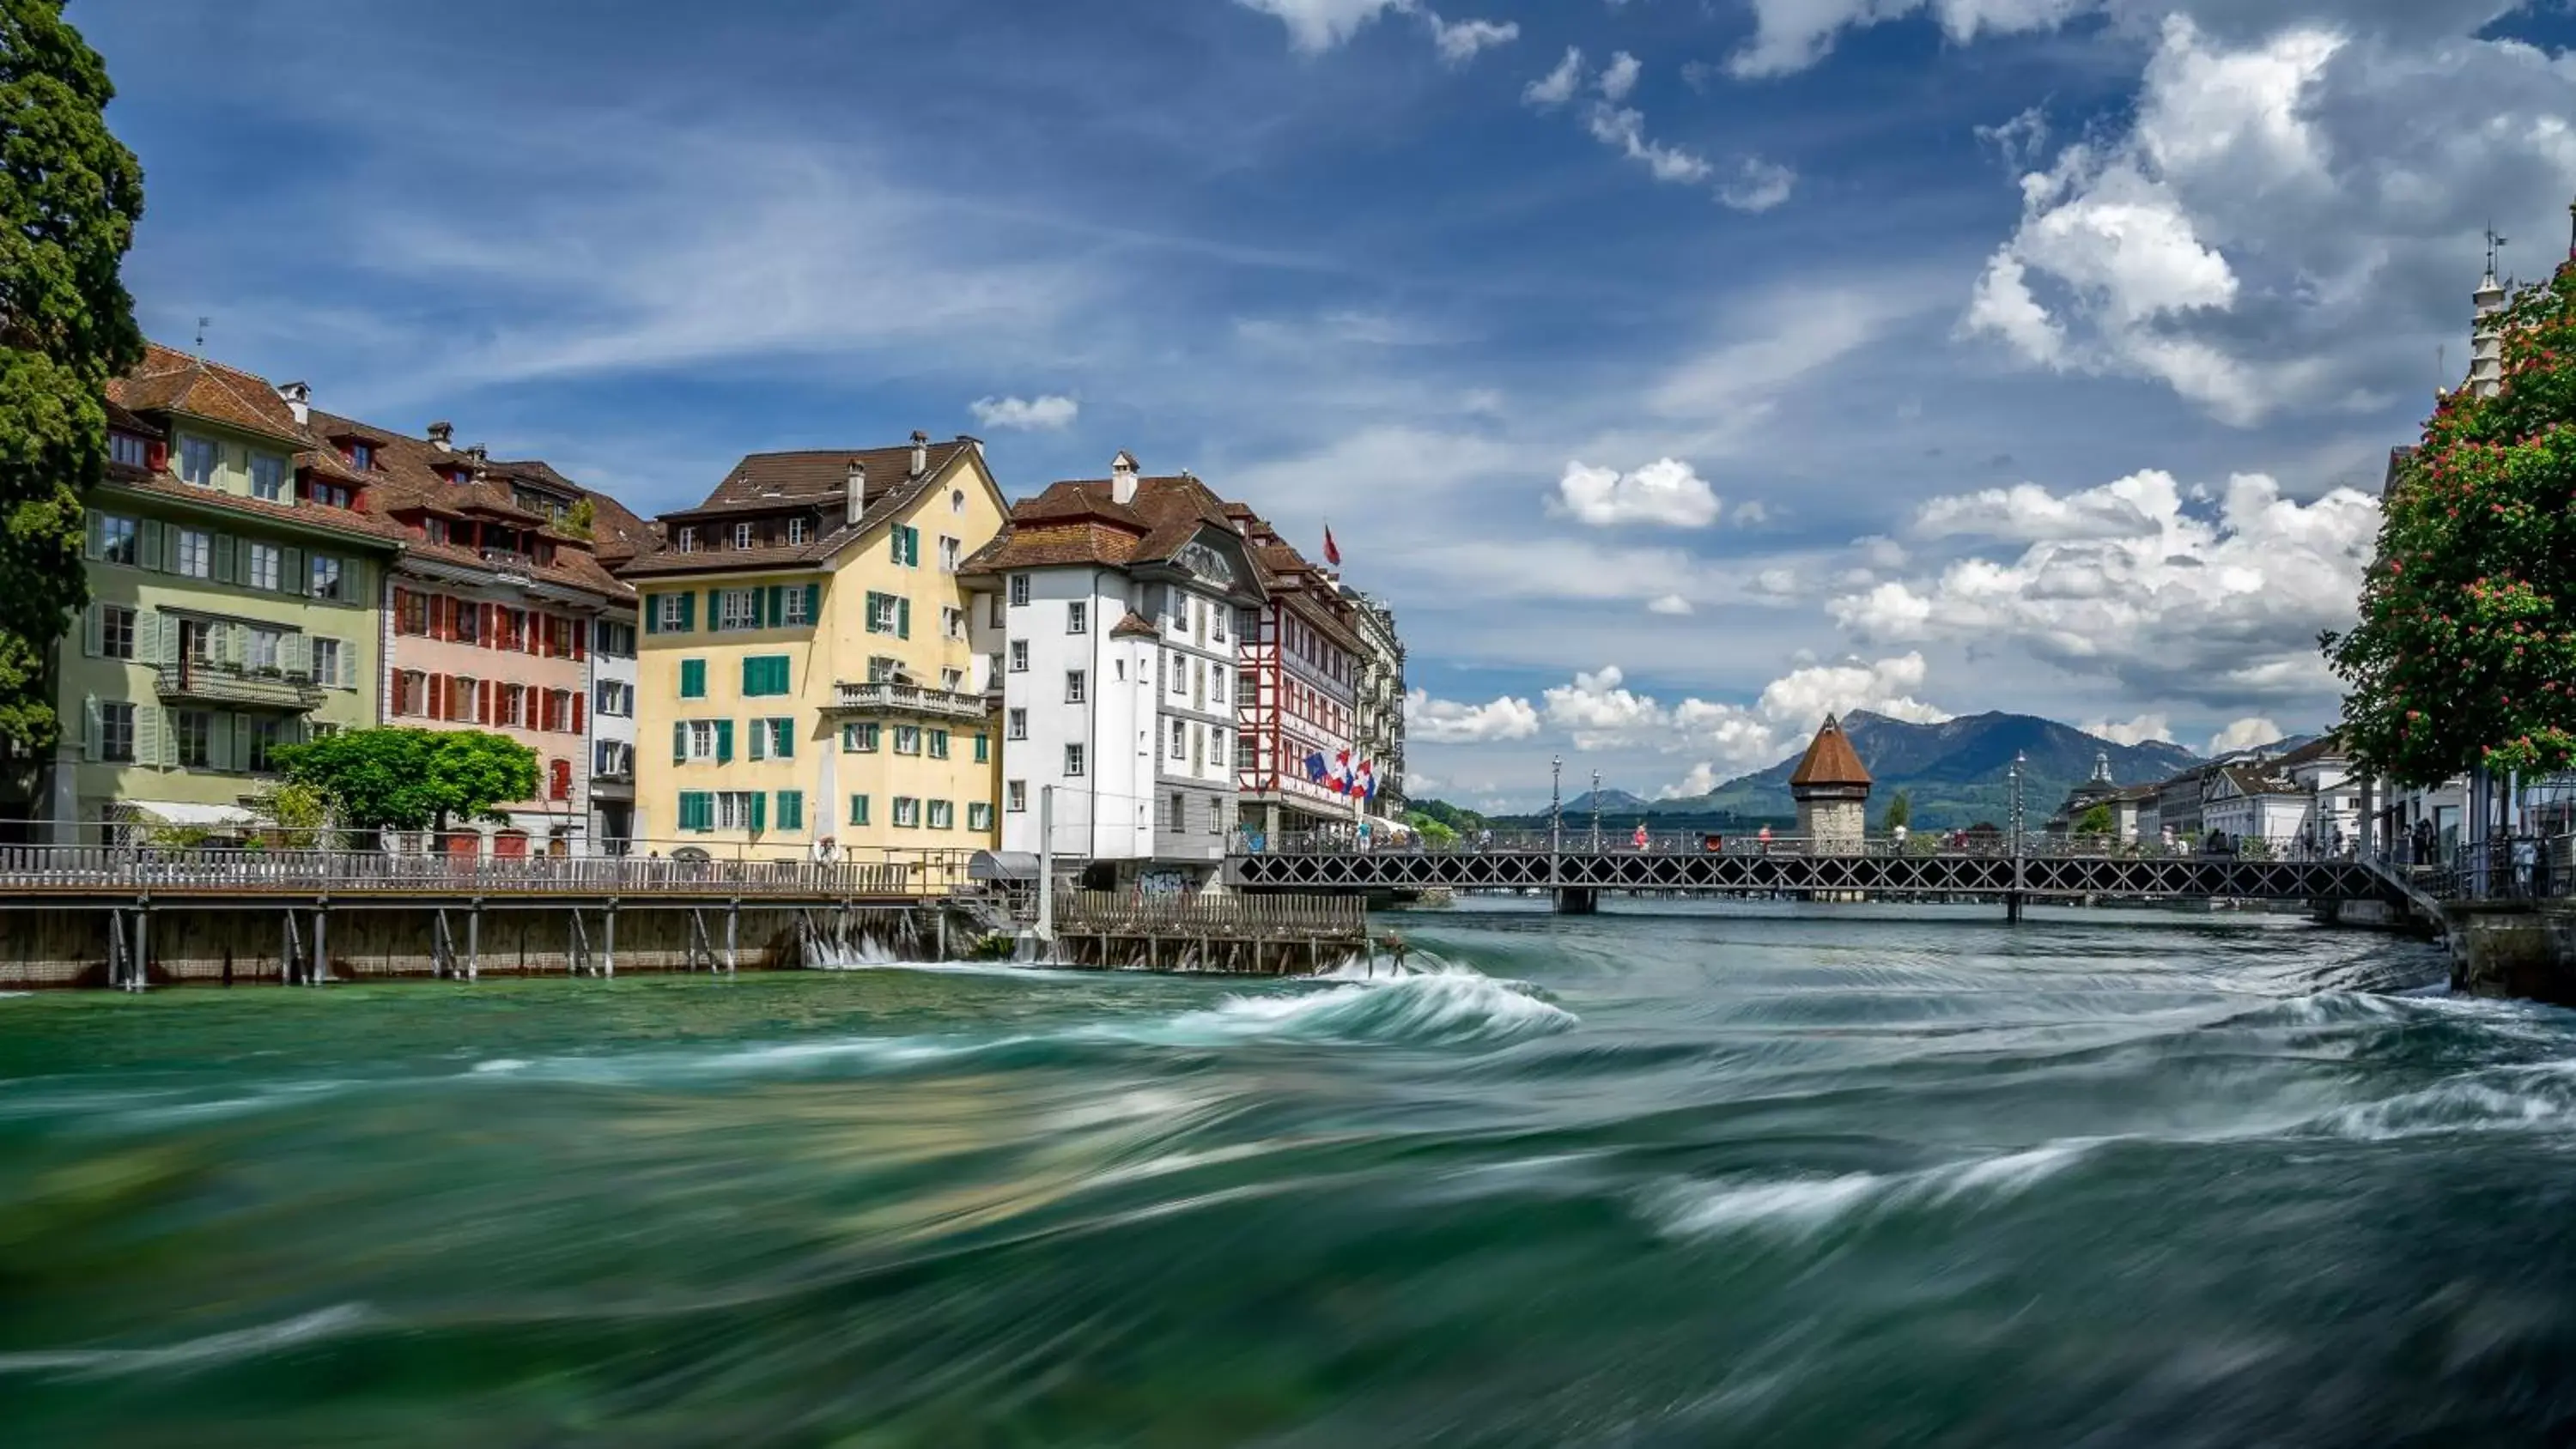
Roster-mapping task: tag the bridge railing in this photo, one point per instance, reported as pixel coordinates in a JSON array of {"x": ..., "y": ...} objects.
[
  {"x": 2523, "y": 868},
  {"x": 99, "y": 868},
  {"x": 1672, "y": 842}
]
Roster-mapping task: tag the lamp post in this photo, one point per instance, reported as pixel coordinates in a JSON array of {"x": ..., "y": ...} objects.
[
  {"x": 2019, "y": 759},
  {"x": 1596, "y": 812},
  {"x": 1555, "y": 803}
]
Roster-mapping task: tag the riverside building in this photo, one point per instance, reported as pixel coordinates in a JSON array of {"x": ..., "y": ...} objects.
[
  {"x": 1121, "y": 603},
  {"x": 1296, "y": 700},
  {"x": 235, "y": 604},
  {"x": 812, "y": 674}
]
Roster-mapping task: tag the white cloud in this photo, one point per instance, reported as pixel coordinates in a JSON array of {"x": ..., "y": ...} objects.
[
  {"x": 2145, "y": 729},
  {"x": 1625, "y": 128},
  {"x": 1619, "y": 77},
  {"x": 1758, "y": 186},
  {"x": 1790, "y": 35},
  {"x": 1665, "y": 491},
  {"x": 1598, "y": 711},
  {"x": 1441, "y": 721},
  {"x": 1673, "y": 604},
  {"x": 1701, "y": 779},
  {"x": 2251, "y": 732},
  {"x": 1319, "y": 25},
  {"x": 2132, "y": 582},
  {"x": 1885, "y": 687},
  {"x": 1045, "y": 412},
  {"x": 1459, "y": 41},
  {"x": 1559, "y": 85}
]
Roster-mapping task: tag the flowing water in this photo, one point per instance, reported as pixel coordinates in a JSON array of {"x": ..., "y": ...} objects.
[{"x": 1743, "y": 1175}]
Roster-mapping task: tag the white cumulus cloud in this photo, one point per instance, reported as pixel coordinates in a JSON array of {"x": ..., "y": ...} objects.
[
  {"x": 1559, "y": 85},
  {"x": 1459, "y": 41},
  {"x": 1619, "y": 77},
  {"x": 1447, "y": 722},
  {"x": 2145, "y": 729},
  {"x": 1668, "y": 604},
  {"x": 1665, "y": 491},
  {"x": 1319, "y": 25},
  {"x": 1758, "y": 185},
  {"x": 2251, "y": 732},
  {"x": 1027, "y": 414}
]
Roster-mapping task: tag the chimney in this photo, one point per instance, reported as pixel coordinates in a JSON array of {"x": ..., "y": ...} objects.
[
  {"x": 442, "y": 436},
  {"x": 299, "y": 401},
  {"x": 477, "y": 454},
  {"x": 1122, "y": 478},
  {"x": 920, "y": 453},
  {"x": 854, "y": 492}
]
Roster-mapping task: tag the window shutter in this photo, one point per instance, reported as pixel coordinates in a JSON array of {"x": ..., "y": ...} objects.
[
  {"x": 89, "y": 728},
  {"x": 791, "y": 809},
  {"x": 147, "y": 735},
  {"x": 485, "y": 707},
  {"x": 97, "y": 536},
  {"x": 751, "y": 674},
  {"x": 290, "y": 573},
  {"x": 724, "y": 741},
  {"x": 579, "y": 629},
  {"x": 292, "y": 654},
  {"x": 760, "y": 739},
  {"x": 227, "y": 559},
  {"x": 688, "y": 611},
  {"x": 903, "y": 618},
  {"x": 777, "y": 608},
  {"x": 149, "y": 545},
  {"x": 894, "y": 544},
  {"x": 715, "y": 610},
  {"x": 759, "y": 812},
  {"x": 354, "y": 578},
  {"x": 94, "y": 629},
  {"x": 813, "y": 603},
  {"x": 679, "y": 742},
  {"x": 576, "y": 714},
  {"x": 786, "y": 738},
  {"x": 652, "y": 613}
]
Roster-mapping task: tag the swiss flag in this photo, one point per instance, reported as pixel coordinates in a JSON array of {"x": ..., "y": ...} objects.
[{"x": 1332, "y": 550}]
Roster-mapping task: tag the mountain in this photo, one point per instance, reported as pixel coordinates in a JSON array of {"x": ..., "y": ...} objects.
[{"x": 1613, "y": 802}]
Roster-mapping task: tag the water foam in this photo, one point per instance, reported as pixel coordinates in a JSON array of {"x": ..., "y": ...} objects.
[
  {"x": 213, "y": 1348},
  {"x": 2517, "y": 1099},
  {"x": 1445, "y": 1008},
  {"x": 1803, "y": 1206}
]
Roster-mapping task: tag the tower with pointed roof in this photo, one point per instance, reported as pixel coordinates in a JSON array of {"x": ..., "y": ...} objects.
[
  {"x": 1831, "y": 787},
  {"x": 2486, "y": 346}
]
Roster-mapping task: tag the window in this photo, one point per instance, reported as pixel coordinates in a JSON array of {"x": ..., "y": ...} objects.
[
  {"x": 742, "y": 535},
  {"x": 362, "y": 455},
  {"x": 952, "y": 622},
  {"x": 983, "y": 749},
  {"x": 326, "y": 662},
  {"x": 1246, "y": 623},
  {"x": 797, "y": 605},
  {"x": 999, "y": 616},
  {"x": 129, "y": 449},
  {"x": 738, "y": 609},
  {"x": 264, "y": 563},
  {"x": 697, "y": 810},
  {"x": 193, "y": 729},
  {"x": 115, "y": 631},
  {"x": 1073, "y": 761},
  {"x": 1017, "y": 723},
  {"x": 907, "y": 812},
  {"x": 1216, "y": 685},
  {"x": 739, "y": 810},
  {"x": 795, "y": 530},
  {"x": 1216, "y": 747},
  {"x": 956, "y": 500},
  {"x": 411, "y": 692},
  {"x": 773, "y": 738},
  {"x": 612, "y": 759},
  {"x": 1015, "y": 796},
  {"x": 1180, "y": 676},
  {"x": 939, "y": 744},
  {"x": 1216, "y": 624},
  {"x": 1019, "y": 589},
  {"x": 267, "y": 476},
  {"x": 261, "y": 653},
  {"x": 1246, "y": 755},
  {"x": 858, "y": 810},
  {"x": 1077, "y": 618},
  {"x": 116, "y": 731},
  {"x": 693, "y": 679},
  {"x": 979, "y": 816},
  {"x": 1180, "y": 740},
  {"x": 1019, "y": 656},
  {"x": 468, "y": 628},
  {"x": 1073, "y": 686},
  {"x": 673, "y": 610},
  {"x": 194, "y": 556},
  {"x": 688, "y": 540},
  {"x": 115, "y": 538},
  {"x": 325, "y": 578},
  {"x": 884, "y": 669},
  {"x": 764, "y": 675},
  {"x": 943, "y": 815},
  {"x": 514, "y": 706},
  {"x": 907, "y": 739},
  {"x": 327, "y": 495},
  {"x": 702, "y": 740},
  {"x": 197, "y": 461},
  {"x": 951, "y": 551},
  {"x": 1177, "y": 816},
  {"x": 953, "y": 680},
  {"x": 265, "y": 735},
  {"x": 889, "y": 614},
  {"x": 614, "y": 639},
  {"x": 615, "y": 697},
  {"x": 906, "y": 545},
  {"x": 860, "y": 739},
  {"x": 791, "y": 809}
]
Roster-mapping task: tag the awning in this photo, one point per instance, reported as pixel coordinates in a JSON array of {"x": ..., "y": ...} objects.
[
  {"x": 188, "y": 812},
  {"x": 1002, "y": 865}
]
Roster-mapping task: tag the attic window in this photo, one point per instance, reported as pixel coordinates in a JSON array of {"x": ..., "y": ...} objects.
[
  {"x": 689, "y": 540},
  {"x": 131, "y": 449},
  {"x": 327, "y": 495},
  {"x": 742, "y": 535},
  {"x": 795, "y": 530},
  {"x": 956, "y": 500},
  {"x": 359, "y": 455}
]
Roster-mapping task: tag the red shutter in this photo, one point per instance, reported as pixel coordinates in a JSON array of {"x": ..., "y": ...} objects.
[
  {"x": 580, "y": 631},
  {"x": 484, "y": 706},
  {"x": 438, "y": 696},
  {"x": 545, "y": 709},
  {"x": 576, "y": 714},
  {"x": 402, "y": 603},
  {"x": 563, "y": 779}
]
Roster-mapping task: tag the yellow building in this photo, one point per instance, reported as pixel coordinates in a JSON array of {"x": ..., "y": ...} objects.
[{"x": 810, "y": 677}]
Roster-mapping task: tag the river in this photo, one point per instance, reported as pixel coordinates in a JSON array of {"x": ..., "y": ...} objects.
[{"x": 1672, "y": 1175}]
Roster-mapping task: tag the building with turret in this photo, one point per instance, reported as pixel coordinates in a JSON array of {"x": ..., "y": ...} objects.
[{"x": 1831, "y": 787}]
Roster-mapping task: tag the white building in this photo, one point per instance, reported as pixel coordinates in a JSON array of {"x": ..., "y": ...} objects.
[
  {"x": 1120, "y": 599},
  {"x": 613, "y": 822},
  {"x": 2248, "y": 802}
]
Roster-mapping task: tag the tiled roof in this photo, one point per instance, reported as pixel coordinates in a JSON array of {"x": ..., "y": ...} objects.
[
  {"x": 335, "y": 520},
  {"x": 778, "y": 485},
  {"x": 1830, "y": 759},
  {"x": 1134, "y": 626},
  {"x": 125, "y": 419},
  {"x": 2327, "y": 746},
  {"x": 2257, "y": 780},
  {"x": 1080, "y": 521},
  {"x": 169, "y": 380}
]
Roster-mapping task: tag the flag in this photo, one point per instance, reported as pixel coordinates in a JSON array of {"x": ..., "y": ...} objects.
[
  {"x": 1364, "y": 782},
  {"x": 1315, "y": 770},
  {"x": 1342, "y": 780},
  {"x": 1332, "y": 550}
]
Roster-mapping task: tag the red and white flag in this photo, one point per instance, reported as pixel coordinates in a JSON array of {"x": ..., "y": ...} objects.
[{"x": 1332, "y": 550}]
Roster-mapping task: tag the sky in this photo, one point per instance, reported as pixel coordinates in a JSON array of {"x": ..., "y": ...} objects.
[{"x": 1677, "y": 370}]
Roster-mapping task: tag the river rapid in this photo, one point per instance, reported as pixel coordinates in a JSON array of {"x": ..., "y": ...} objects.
[{"x": 1672, "y": 1175}]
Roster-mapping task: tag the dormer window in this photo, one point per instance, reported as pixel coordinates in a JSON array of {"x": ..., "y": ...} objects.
[
  {"x": 459, "y": 476},
  {"x": 130, "y": 449},
  {"x": 434, "y": 529},
  {"x": 742, "y": 535},
  {"x": 795, "y": 530},
  {"x": 689, "y": 540},
  {"x": 359, "y": 455},
  {"x": 326, "y": 495}
]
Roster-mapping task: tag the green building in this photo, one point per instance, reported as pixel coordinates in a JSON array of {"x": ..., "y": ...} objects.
[{"x": 237, "y": 602}]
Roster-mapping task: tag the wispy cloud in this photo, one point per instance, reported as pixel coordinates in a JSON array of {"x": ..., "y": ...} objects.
[{"x": 1022, "y": 414}]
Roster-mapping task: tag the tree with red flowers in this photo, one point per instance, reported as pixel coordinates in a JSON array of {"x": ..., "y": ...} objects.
[{"x": 2465, "y": 654}]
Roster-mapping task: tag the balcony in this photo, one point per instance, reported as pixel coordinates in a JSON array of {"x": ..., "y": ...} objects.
[
  {"x": 911, "y": 699},
  {"x": 197, "y": 682}
]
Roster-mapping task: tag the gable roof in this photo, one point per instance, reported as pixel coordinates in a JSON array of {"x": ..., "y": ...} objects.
[
  {"x": 171, "y": 381},
  {"x": 810, "y": 483},
  {"x": 1830, "y": 759},
  {"x": 1080, "y": 521}
]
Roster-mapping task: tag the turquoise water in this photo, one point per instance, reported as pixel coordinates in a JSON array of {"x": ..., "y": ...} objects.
[{"x": 1751, "y": 1175}]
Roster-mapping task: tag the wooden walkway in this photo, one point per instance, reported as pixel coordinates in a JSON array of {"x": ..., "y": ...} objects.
[{"x": 1235, "y": 934}]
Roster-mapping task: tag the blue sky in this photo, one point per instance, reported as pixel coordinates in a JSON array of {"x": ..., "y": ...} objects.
[{"x": 1677, "y": 369}]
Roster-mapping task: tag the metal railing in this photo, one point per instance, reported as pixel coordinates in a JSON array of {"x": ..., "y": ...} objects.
[
  {"x": 144, "y": 869},
  {"x": 237, "y": 684},
  {"x": 2520, "y": 868},
  {"x": 1110, "y": 913},
  {"x": 1577, "y": 839}
]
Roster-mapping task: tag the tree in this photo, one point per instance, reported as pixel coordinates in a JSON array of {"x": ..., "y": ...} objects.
[
  {"x": 580, "y": 519},
  {"x": 413, "y": 779},
  {"x": 69, "y": 196},
  {"x": 2096, "y": 821},
  {"x": 1434, "y": 834},
  {"x": 2465, "y": 653},
  {"x": 1900, "y": 811}
]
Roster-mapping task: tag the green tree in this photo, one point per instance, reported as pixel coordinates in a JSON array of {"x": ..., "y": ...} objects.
[
  {"x": 581, "y": 518},
  {"x": 413, "y": 779},
  {"x": 2096, "y": 821},
  {"x": 69, "y": 196},
  {"x": 2465, "y": 653},
  {"x": 1900, "y": 811},
  {"x": 1434, "y": 834}
]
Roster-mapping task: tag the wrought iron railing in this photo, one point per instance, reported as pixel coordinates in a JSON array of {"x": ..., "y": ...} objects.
[
  {"x": 1578, "y": 838},
  {"x": 2517, "y": 868},
  {"x": 290, "y": 689},
  {"x": 144, "y": 869}
]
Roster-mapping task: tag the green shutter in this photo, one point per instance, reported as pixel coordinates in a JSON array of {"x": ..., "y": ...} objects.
[
  {"x": 791, "y": 809},
  {"x": 679, "y": 742},
  {"x": 290, "y": 572},
  {"x": 759, "y": 739},
  {"x": 97, "y": 535},
  {"x": 813, "y": 604},
  {"x": 724, "y": 741},
  {"x": 777, "y": 614},
  {"x": 858, "y": 810},
  {"x": 147, "y": 735},
  {"x": 903, "y": 618},
  {"x": 787, "y": 739},
  {"x": 652, "y": 614},
  {"x": 93, "y": 629},
  {"x": 715, "y": 611},
  {"x": 148, "y": 544},
  {"x": 688, "y": 611},
  {"x": 693, "y": 679},
  {"x": 227, "y": 559},
  {"x": 759, "y": 812},
  {"x": 983, "y": 749},
  {"x": 751, "y": 675}
]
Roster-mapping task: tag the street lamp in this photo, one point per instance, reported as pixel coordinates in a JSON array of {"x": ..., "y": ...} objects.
[
  {"x": 2019, "y": 759},
  {"x": 1596, "y": 812},
  {"x": 1556, "y": 803}
]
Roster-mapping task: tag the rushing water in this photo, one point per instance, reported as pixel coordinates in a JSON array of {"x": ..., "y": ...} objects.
[{"x": 1759, "y": 1175}]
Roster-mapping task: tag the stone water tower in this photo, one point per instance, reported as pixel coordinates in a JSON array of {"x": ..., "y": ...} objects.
[{"x": 1831, "y": 787}]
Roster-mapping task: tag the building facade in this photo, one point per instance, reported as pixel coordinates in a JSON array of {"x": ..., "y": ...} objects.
[
  {"x": 235, "y": 605},
  {"x": 809, "y": 681},
  {"x": 1296, "y": 697},
  {"x": 1377, "y": 704},
  {"x": 1120, "y": 601}
]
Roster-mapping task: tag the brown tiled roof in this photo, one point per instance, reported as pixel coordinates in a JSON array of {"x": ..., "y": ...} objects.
[
  {"x": 126, "y": 420},
  {"x": 2257, "y": 780},
  {"x": 169, "y": 380},
  {"x": 1080, "y": 521},
  {"x": 1134, "y": 626},
  {"x": 2327, "y": 746},
  {"x": 334, "y": 520},
  {"x": 1830, "y": 759},
  {"x": 410, "y": 476},
  {"x": 812, "y": 483}
]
